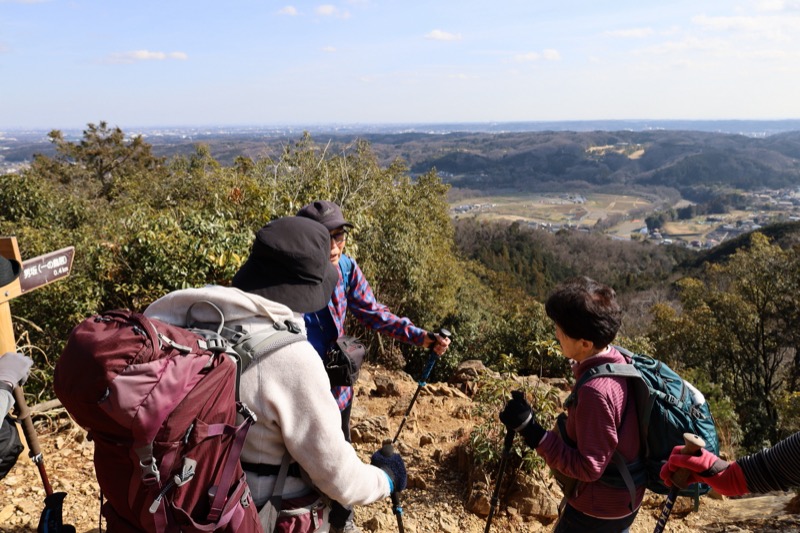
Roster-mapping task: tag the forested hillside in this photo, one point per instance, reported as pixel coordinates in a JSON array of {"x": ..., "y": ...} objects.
[
  {"x": 687, "y": 161},
  {"x": 144, "y": 224}
]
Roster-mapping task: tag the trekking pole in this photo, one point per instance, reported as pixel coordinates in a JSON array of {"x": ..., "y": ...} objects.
[
  {"x": 51, "y": 520},
  {"x": 691, "y": 445},
  {"x": 387, "y": 450},
  {"x": 421, "y": 383},
  {"x": 509, "y": 440},
  {"x": 23, "y": 415}
]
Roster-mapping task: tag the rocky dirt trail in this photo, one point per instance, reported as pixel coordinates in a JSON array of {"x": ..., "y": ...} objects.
[{"x": 435, "y": 500}]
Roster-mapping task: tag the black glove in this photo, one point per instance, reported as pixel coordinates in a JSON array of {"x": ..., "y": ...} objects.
[
  {"x": 518, "y": 416},
  {"x": 390, "y": 462}
]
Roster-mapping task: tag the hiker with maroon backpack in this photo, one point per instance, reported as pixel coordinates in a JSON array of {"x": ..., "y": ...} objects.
[
  {"x": 298, "y": 423},
  {"x": 326, "y": 323},
  {"x": 587, "y": 318}
]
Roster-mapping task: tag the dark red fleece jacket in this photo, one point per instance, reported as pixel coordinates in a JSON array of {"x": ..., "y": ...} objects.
[{"x": 596, "y": 423}]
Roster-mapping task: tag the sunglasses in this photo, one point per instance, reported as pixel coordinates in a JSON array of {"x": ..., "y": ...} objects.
[{"x": 339, "y": 237}]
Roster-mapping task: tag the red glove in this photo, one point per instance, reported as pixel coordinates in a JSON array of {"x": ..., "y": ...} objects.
[{"x": 726, "y": 478}]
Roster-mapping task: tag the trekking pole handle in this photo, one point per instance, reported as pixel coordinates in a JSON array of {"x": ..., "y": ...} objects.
[
  {"x": 433, "y": 357},
  {"x": 691, "y": 445}
]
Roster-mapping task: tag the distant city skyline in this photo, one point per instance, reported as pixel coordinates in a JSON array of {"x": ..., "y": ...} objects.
[{"x": 66, "y": 63}]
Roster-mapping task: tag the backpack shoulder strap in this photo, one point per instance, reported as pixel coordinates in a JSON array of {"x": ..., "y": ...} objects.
[
  {"x": 257, "y": 345},
  {"x": 254, "y": 346},
  {"x": 606, "y": 370},
  {"x": 346, "y": 268}
]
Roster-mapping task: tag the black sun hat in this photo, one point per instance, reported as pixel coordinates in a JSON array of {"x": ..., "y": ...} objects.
[
  {"x": 289, "y": 264},
  {"x": 9, "y": 270}
]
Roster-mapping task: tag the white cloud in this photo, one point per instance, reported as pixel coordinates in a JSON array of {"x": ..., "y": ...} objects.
[
  {"x": 288, "y": 10},
  {"x": 771, "y": 27},
  {"x": 548, "y": 54},
  {"x": 530, "y": 56},
  {"x": 690, "y": 44},
  {"x": 328, "y": 10},
  {"x": 462, "y": 76},
  {"x": 125, "y": 58},
  {"x": 440, "y": 35},
  {"x": 777, "y": 5},
  {"x": 328, "y": 49},
  {"x": 551, "y": 54},
  {"x": 630, "y": 33},
  {"x": 24, "y": 1}
]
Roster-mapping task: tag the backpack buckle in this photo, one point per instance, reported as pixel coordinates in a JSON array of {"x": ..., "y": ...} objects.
[
  {"x": 150, "y": 473},
  {"x": 247, "y": 413},
  {"x": 672, "y": 400}
]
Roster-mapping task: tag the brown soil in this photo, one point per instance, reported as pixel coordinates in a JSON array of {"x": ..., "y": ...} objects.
[{"x": 434, "y": 501}]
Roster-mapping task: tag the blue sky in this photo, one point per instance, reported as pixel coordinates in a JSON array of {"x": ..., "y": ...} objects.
[{"x": 65, "y": 63}]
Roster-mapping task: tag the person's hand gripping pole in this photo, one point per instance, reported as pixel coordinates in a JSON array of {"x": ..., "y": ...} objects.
[
  {"x": 395, "y": 469},
  {"x": 692, "y": 444}
]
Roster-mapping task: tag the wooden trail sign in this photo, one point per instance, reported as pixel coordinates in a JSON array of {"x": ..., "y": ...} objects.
[{"x": 36, "y": 272}]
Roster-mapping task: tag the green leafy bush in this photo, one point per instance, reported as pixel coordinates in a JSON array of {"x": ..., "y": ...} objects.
[{"x": 486, "y": 439}]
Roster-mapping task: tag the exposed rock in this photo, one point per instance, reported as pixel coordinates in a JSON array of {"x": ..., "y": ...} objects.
[
  {"x": 535, "y": 500},
  {"x": 561, "y": 384},
  {"x": 479, "y": 501},
  {"x": 371, "y": 430},
  {"x": 385, "y": 387}
]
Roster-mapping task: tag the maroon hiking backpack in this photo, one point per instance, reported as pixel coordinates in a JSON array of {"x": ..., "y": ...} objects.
[{"x": 161, "y": 409}]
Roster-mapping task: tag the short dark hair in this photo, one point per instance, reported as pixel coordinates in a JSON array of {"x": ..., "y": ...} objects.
[{"x": 585, "y": 309}]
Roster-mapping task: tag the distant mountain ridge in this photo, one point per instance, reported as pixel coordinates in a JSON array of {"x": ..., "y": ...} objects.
[
  {"x": 639, "y": 154},
  {"x": 748, "y": 127},
  {"x": 682, "y": 160}
]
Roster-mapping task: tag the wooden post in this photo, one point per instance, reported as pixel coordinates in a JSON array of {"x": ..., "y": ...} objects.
[
  {"x": 9, "y": 250},
  {"x": 34, "y": 273}
]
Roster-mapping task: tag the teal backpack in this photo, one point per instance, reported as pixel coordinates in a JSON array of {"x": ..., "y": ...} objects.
[{"x": 668, "y": 406}]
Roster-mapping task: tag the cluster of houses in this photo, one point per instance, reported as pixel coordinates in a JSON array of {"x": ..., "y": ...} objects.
[
  {"x": 471, "y": 208},
  {"x": 766, "y": 207}
]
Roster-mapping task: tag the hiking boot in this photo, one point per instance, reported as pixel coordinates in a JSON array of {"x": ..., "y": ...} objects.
[{"x": 349, "y": 527}]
